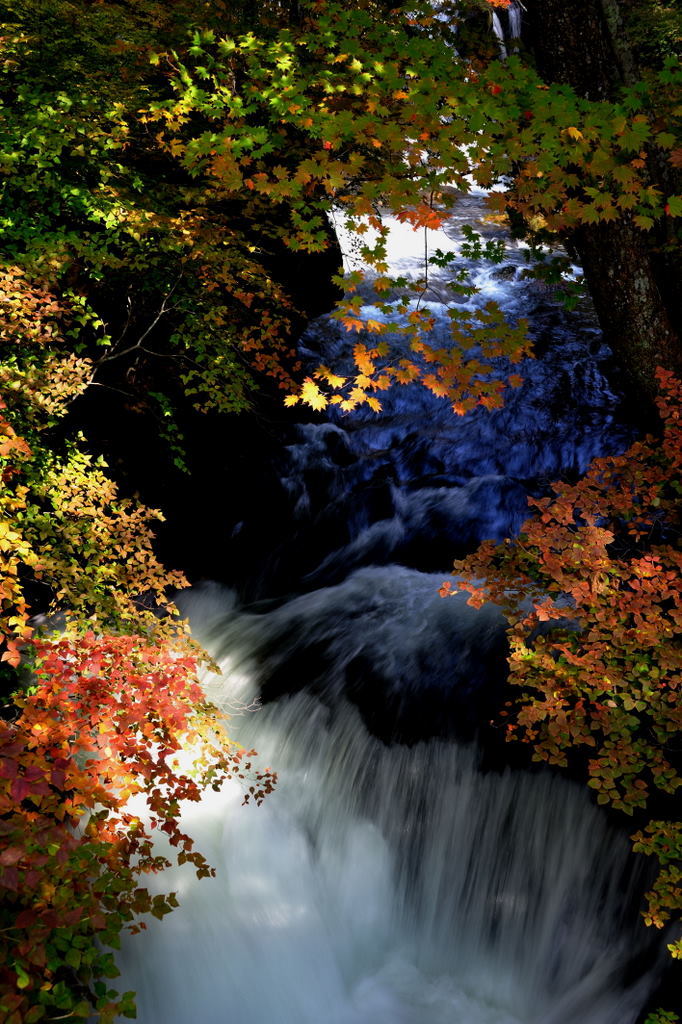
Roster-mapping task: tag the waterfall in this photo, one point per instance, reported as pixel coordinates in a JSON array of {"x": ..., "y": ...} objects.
[
  {"x": 385, "y": 885},
  {"x": 498, "y": 32},
  {"x": 390, "y": 882},
  {"x": 513, "y": 33},
  {"x": 514, "y": 15}
]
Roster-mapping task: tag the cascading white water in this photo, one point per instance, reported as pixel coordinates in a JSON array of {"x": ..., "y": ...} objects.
[
  {"x": 514, "y": 15},
  {"x": 396, "y": 884},
  {"x": 498, "y": 32},
  {"x": 389, "y": 885}
]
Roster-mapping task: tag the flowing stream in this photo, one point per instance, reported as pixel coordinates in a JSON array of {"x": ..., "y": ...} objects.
[{"x": 392, "y": 882}]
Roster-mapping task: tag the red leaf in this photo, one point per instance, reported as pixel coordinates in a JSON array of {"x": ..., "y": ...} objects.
[
  {"x": 12, "y": 855},
  {"x": 10, "y": 879}
]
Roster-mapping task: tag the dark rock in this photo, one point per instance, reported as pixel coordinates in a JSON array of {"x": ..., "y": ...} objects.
[{"x": 506, "y": 273}]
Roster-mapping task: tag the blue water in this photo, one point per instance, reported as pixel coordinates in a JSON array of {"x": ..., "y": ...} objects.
[{"x": 385, "y": 882}]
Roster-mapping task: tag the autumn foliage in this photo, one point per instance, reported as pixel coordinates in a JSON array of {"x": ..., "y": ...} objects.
[
  {"x": 98, "y": 722},
  {"x": 157, "y": 159},
  {"x": 103, "y": 722},
  {"x": 592, "y": 592},
  {"x": 340, "y": 114},
  {"x": 94, "y": 715}
]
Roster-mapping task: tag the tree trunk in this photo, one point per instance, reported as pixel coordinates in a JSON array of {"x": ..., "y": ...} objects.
[
  {"x": 622, "y": 278},
  {"x": 633, "y": 282}
]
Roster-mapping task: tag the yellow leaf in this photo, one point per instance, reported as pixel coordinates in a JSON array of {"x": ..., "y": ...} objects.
[
  {"x": 324, "y": 373},
  {"x": 575, "y": 133},
  {"x": 374, "y": 403},
  {"x": 311, "y": 394},
  {"x": 292, "y": 399}
]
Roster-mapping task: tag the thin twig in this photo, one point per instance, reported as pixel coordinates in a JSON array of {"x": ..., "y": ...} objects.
[{"x": 163, "y": 309}]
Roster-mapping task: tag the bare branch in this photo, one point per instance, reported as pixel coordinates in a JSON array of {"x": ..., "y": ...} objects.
[{"x": 164, "y": 308}]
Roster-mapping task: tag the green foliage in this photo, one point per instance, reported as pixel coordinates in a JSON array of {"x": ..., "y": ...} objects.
[
  {"x": 654, "y": 28},
  {"x": 344, "y": 110},
  {"x": 160, "y": 269},
  {"x": 474, "y": 247},
  {"x": 101, "y": 255},
  {"x": 191, "y": 157},
  {"x": 662, "y": 1017}
]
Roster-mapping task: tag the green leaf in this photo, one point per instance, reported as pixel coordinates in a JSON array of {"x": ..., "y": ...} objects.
[
  {"x": 73, "y": 958},
  {"x": 674, "y": 206},
  {"x": 23, "y": 980},
  {"x": 644, "y": 222}
]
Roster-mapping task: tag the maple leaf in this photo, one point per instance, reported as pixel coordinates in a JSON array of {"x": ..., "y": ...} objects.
[
  {"x": 311, "y": 394},
  {"x": 490, "y": 401},
  {"x": 674, "y": 206},
  {"x": 353, "y": 323},
  {"x": 334, "y": 381},
  {"x": 644, "y": 222},
  {"x": 422, "y": 216},
  {"x": 363, "y": 361}
]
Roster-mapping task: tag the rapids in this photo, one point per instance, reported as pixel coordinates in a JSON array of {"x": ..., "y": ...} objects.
[{"x": 383, "y": 881}]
